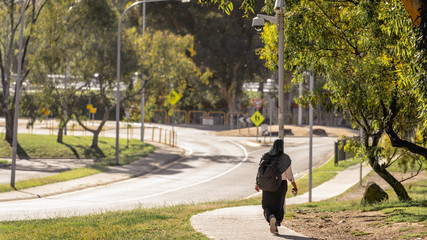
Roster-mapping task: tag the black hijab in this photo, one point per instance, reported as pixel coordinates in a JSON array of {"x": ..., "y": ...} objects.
[{"x": 276, "y": 149}]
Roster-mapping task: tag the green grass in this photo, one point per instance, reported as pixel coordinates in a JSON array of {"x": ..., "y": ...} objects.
[
  {"x": 359, "y": 233},
  {"x": 45, "y": 146},
  {"x": 4, "y": 162},
  {"x": 396, "y": 211},
  {"x": 61, "y": 177},
  {"x": 420, "y": 235},
  {"x": 323, "y": 174},
  {"x": 154, "y": 223}
]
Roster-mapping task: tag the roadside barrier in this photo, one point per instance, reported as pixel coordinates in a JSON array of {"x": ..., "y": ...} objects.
[{"x": 163, "y": 135}]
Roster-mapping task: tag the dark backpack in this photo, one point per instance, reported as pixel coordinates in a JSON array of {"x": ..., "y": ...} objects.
[{"x": 269, "y": 176}]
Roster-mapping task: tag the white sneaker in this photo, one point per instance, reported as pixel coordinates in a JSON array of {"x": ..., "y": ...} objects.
[{"x": 273, "y": 227}]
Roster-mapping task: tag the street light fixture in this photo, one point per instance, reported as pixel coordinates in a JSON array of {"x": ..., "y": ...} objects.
[
  {"x": 258, "y": 23},
  {"x": 118, "y": 67}
]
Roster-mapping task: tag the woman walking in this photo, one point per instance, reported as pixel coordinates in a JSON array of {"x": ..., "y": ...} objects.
[{"x": 272, "y": 202}]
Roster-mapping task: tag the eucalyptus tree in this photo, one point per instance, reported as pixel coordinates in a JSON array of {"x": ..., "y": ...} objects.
[
  {"x": 94, "y": 58},
  {"x": 54, "y": 65},
  {"x": 167, "y": 61},
  {"x": 9, "y": 17}
]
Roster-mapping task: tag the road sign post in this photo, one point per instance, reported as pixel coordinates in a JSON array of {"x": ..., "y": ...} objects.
[
  {"x": 257, "y": 103},
  {"x": 173, "y": 98},
  {"x": 264, "y": 130},
  {"x": 127, "y": 126},
  {"x": 257, "y": 119}
]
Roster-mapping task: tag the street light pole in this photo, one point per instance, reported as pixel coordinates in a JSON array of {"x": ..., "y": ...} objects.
[
  {"x": 280, "y": 15},
  {"x": 118, "y": 70},
  {"x": 310, "y": 153},
  {"x": 143, "y": 80},
  {"x": 17, "y": 97}
]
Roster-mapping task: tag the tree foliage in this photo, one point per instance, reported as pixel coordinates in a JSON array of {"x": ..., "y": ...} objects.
[
  {"x": 224, "y": 43},
  {"x": 167, "y": 62},
  {"x": 10, "y": 13},
  {"x": 365, "y": 50}
]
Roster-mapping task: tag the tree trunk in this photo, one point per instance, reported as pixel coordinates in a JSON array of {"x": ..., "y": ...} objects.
[
  {"x": 9, "y": 125},
  {"x": 397, "y": 186},
  {"x": 97, "y": 131},
  {"x": 22, "y": 154},
  {"x": 229, "y": 95},
  {"x": 59, "y": 138},
  {"x": 400, "y": 143},
  {"x": 390, "y": 114},
  {"x": 413, "y": 8},
  {"x": 95, "y": 142},
  {"x": 373, "y": 160}
]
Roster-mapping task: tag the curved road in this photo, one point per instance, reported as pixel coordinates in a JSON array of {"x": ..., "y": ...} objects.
[{"x": 219, "y": 168}]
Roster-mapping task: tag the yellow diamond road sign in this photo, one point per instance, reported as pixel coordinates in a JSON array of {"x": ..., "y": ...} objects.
[
  {"x": 257, "y": 118},
  {"x": 173, "y": 97}
]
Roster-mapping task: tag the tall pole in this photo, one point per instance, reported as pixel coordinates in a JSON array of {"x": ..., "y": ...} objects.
[
  {"x": 300, "y": 106},
  {"x": 17, "y": 98},
  {"x": 310, "y": 154},
  {"x": 281, "y": 74},
  {"x": 118, "y": 90},
  {"x": 143, "y": 80},
  {"x": 118, "y": 80}
]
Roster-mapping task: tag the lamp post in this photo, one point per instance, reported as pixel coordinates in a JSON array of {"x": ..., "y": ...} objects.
[
  {"x": 17, "y": 97},
  {"x": 118, "y": 68},
  {"x": 258, "y": 23},
  {"x": 143, "y": 81},
  {"x": 310, "y": 153}
]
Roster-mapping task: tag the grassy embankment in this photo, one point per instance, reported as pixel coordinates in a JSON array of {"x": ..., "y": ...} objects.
[{"x": 45, "y": 146}]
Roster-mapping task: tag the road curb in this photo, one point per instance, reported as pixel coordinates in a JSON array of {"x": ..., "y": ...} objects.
[{"x": 92, "y": 181}]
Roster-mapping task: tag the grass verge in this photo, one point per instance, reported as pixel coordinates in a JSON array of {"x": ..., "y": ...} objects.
[
  {"x": 45, "y": 146},
  {"x": 154, "y": 223},
  {"x": 61, "y": 177},
  {"x": 323, "y": 174},
  {"x": 4, "y": 162}
]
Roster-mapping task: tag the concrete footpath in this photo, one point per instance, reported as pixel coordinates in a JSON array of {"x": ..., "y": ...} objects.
[
  {"x": 161, "y": 158},
  {"x": 247, "y": 222}
]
